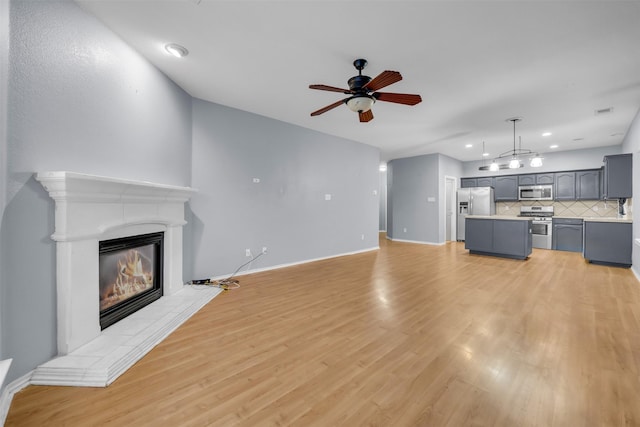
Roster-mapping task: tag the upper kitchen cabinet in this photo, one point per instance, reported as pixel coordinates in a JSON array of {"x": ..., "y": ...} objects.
[
  {"x": 565, "y": 188},
  {"x": 486, "y": 181},
  {"x": 505, "y": 188},
  {"x": 468, "y": 182},
  {"x": 618, "y": 176},
  {"x": 535, "y": 179},
  {"x": 588, "y": 185},
  {"x": 527, "y": 179},
  {"x": 544, "y": 178}
]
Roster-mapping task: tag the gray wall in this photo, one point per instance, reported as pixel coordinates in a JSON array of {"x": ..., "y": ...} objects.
[
  {"x": 631, "y": 144},
  {"x": 286, "y": 211},
  {"x": 382, "y": 226},
  {"x": 4, "y": 83},
  {"x": 412, "y": 182},
  {"x": 589, "y": 158},
  {"x": 447, "y": 166},
  {"x": 79, "y": 99}
]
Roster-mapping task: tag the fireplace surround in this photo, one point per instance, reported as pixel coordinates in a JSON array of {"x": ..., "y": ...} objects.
[{"x": 90, "y": 209}]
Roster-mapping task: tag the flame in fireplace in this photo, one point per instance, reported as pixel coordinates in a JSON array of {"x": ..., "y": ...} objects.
[{"x": 131, "y": 279}]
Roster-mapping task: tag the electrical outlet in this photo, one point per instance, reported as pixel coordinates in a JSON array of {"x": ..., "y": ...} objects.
[
  {"x": 405, "y": 229},
  {"x": 362, "y": 237},
  {"x": 264, "y": 249},
  {"x": 247, "y": 252}
]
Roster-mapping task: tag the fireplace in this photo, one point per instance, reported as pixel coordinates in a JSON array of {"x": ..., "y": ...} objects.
[
  {"x": 130, "y": 275},
  {"x": 91, "y": 211}
]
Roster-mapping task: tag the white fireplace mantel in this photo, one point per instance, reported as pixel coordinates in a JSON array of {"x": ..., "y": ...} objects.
[{"x": 89, "y": 209}]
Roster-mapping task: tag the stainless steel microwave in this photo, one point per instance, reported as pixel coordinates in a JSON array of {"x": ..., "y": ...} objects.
[{"x": 535, "y": 192}]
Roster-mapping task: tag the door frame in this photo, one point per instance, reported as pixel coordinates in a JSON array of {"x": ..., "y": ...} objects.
[{"x": 452, "y": 202}]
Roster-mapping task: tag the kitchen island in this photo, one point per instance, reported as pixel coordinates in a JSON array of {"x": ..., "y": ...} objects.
[
  {"x": 499, "y": 235},
  {"x": 608, "y": 241}
]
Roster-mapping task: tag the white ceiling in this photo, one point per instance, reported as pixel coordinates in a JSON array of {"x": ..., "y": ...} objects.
[{"x": 475, "y": 64}]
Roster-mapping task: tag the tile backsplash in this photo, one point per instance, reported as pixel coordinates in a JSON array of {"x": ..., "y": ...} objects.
[{"x": 579, "y": 208}]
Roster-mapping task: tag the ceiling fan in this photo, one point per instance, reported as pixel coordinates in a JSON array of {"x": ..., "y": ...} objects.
[{"x": 363, "y": 92}]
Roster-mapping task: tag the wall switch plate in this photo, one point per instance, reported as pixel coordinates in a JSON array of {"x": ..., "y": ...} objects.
[
  {"x": 405, "y": 229},
  {"x": 327, "y": 196},
  {"x": 247, "y": 252},
  {"x": 264, "y": 249},
  {"x": 431, "y": 199},
  {"x": 256, "y": 180}
]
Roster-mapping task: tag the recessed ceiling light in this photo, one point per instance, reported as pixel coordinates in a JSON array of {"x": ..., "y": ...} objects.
[
  {"x": 176, "y": 50},
  {"x": 546, "y": 134},
  {"x": 553, "y": 146},
  {"x": 469, "y": 145},
  {"x": 485, "y": 154}
]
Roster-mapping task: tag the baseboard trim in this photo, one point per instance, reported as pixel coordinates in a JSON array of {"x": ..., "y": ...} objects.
[
  {"x": 9, "y": 391},
  {"x": 419, "y": 242},
  {"x": 292, "y": 264}
]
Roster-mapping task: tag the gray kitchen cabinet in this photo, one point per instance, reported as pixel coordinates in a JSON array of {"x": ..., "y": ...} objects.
[
  {"x": 565, "y": 186},
  {"x": 608, "y": 243},
  {"x": 478, "y": 234},
  {"x": 506, "y": 188},
  {"x": 544, "y": 178},
  {"x": 486, "y": 181},
  {"x": 468, "y": 182},
  {"x": 567, "y": 234},
  {"x": 618, "y": 178},
  {"x": 588, "y": 185},
  {"x": 499, "y": 237},
  {"x": 529, "y": 179}
]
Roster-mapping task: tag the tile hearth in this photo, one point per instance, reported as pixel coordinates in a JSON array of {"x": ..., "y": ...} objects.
[{"x": 102, "y": 360}]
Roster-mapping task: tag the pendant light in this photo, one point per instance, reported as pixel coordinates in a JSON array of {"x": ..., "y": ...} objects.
[{"x": 515, "y": 155}]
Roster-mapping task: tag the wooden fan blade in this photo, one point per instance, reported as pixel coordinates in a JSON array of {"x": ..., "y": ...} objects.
[
  {"x": 330, "y": 88},
  {"x": 327, "y": 108},
  {"x": 398, "y": 98},
  {"x": 366, "y": 116},
  {"x": 383, "y": 79}
]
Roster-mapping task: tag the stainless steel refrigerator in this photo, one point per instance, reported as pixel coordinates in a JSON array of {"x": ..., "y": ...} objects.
[{"x": 473, "y": 201}]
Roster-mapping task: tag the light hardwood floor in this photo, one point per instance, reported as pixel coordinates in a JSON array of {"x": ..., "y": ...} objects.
[{"x": 411, "y": 335}]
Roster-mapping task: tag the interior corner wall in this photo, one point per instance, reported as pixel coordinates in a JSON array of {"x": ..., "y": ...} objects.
[
  {"x": 413, "y": 206},
  {"x": 4, "y": 84},
  {"x": 81, "y": 100},
  {"x": 287, "y": 210},
  {"x": 447, "y": 166},
  {"x": 631, "y": 144},
  {"x": 383, "y": 202}
]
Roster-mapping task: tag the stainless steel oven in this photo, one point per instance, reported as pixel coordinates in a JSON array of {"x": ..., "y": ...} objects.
[
  {"x": 541, "y": 224},
  {"x": 541, "y": 232}
]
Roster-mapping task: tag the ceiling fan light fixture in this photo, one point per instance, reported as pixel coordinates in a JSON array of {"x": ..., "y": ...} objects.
[{"x": 360, "y": 103}]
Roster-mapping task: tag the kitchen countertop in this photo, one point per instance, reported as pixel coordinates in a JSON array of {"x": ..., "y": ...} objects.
[
  {"x": 509, "y": 217},
  {"x": 585, "y": 218},
  {"x": 597, "y": 218}
]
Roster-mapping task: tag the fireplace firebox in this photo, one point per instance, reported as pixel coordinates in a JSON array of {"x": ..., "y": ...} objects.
[{"x": 130, "y": 275}]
